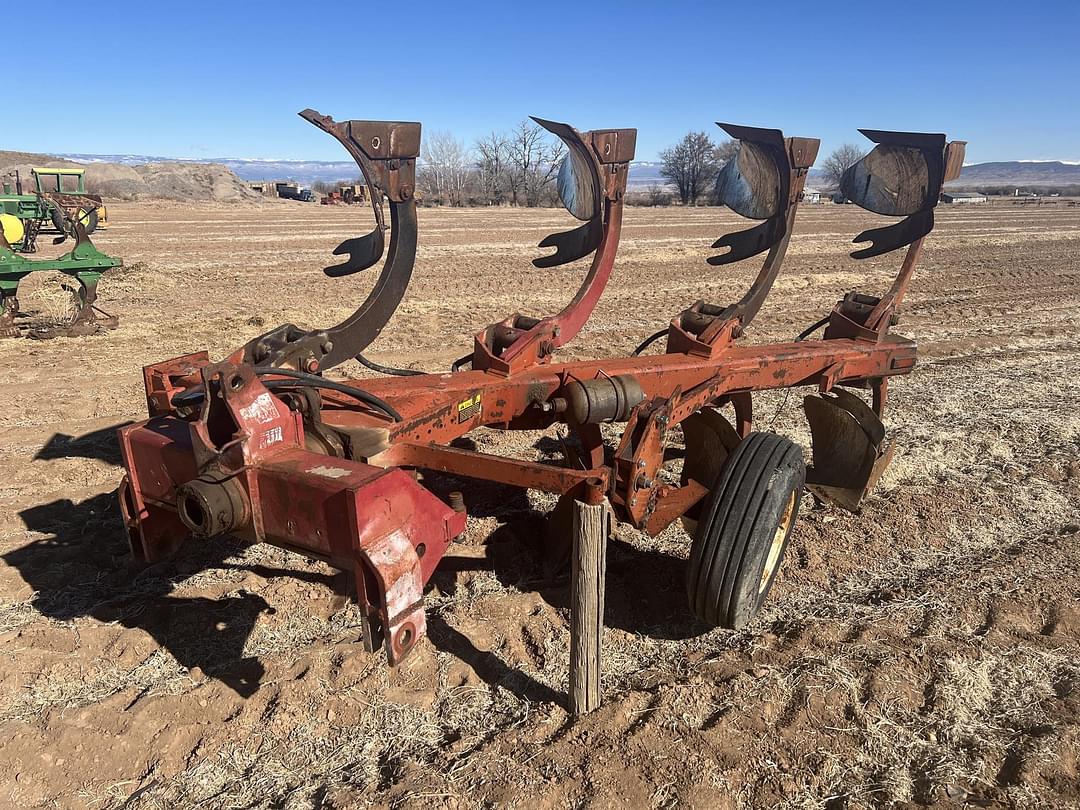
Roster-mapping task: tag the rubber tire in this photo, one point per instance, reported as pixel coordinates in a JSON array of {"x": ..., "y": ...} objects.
[
  {"x": 56, "y": 216},
  {"x": 739, "y": 519},
  {"x": 61, "y": 225},
  {"x": 92, "y": 219}
]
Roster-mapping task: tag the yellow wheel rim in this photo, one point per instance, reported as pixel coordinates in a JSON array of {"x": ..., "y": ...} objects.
[
  {"x": 777, "y": 545},
  {"x": 12, "y": 227}
]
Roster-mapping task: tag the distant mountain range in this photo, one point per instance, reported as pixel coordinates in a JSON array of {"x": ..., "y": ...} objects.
[
  {"x": 1021, "y": 173},
  {"x": 643, "y": 174},
  {"x": 302, "y": 171}
]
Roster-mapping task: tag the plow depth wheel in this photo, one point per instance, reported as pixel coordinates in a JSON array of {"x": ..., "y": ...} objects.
[{"x": 743, "y": 530}]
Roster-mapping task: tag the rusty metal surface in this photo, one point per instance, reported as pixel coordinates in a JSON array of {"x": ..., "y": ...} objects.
[
  {"x": 761, "y": 182},
  {"x": 396, "y": 533},
  {"x": 473, "y": 464},
  {"x": 901, "y": 176},
  {"x": 386, "y": 153},
  {"x": 891, "y": 180},
  {"x": 749, "y": 184},
  {"x": 600, "y": 161},
  {"x": 764, "y": 181},
  {"x": 850, "y": 451}
]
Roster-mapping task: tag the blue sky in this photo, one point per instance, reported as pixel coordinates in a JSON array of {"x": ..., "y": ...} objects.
[{"x": 198, "y": 79}]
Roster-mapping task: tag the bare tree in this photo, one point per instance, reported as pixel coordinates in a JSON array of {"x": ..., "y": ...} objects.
[
  {"x": 493, "y": 166},
  {"x": 691, "y": 165},
  {"x": 534, "y": 158},
  {"x": 840, "y": 161},
  {"x": 657, "y": 195},
  {"x": 444, "y": 171},
  {"x": 726, "y": 150},
  {"x": 327, "y": 186}
]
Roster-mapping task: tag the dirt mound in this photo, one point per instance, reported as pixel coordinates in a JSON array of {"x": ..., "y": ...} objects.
[
  {"x": 23, "y": 162},
  {"x": 115, "y": 181},
  {"x": 184, "y": 182},
  {"x": 193, "y": 181},
  {"x": 13, "y": 160}
]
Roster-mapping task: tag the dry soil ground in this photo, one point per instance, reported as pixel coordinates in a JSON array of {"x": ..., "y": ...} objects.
[{"x": 926, "y": 651}]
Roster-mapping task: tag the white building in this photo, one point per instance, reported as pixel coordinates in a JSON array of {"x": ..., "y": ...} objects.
[{"x": 962, "y": 197}]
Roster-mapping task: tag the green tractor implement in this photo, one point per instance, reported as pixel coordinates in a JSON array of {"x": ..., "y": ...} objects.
[
  {"x": 59, "y": 197},
  {"x": 84, "y": 263}
]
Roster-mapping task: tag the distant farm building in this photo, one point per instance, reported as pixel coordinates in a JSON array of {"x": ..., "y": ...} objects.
[
  {"x": 266, "y": 188},
  {"x": 962, "y": 197},
  {"x": 811, "y": 195}
]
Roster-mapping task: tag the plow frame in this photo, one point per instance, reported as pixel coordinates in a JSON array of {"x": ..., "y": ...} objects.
[{"x": 256, "y": 447}]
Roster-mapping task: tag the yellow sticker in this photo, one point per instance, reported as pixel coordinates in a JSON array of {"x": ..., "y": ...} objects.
[{"x": 468, "y": 408}]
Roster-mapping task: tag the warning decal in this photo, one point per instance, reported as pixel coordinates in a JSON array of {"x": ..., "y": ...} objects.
[{"x": 468, "y": 408}]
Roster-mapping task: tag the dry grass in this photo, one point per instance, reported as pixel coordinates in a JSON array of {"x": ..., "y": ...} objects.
[{"x": 925, "y": 650}]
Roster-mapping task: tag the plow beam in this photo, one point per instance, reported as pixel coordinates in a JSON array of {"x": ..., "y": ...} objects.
[
  {"x": 386, "y": 153},
  {"x": 849, "y": 446},
  {"x": 764, "y": 180},
  {"x": 591, "y": 185}
]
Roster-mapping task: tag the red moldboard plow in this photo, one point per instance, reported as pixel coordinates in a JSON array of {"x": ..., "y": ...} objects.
[{"x": 262, "y": 447}]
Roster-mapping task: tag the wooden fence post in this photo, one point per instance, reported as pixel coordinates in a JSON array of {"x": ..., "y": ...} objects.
[{"x": 587, "y": 579}]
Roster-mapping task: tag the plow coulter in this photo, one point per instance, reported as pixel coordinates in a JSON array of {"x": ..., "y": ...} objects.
[{"x": 261, "y": 446}]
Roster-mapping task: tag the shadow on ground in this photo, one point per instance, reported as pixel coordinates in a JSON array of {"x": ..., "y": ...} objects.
[
  {"x": 100, "y": 444},
  {"x": 646, "y": 589},
  {"x": 82, "y": 568}
]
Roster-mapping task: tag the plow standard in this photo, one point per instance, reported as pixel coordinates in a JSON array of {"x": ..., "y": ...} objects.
[{"x": 261, "y": 446}]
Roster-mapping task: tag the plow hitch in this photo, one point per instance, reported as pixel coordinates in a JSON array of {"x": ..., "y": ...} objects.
[{"x": 261, "y": 446}]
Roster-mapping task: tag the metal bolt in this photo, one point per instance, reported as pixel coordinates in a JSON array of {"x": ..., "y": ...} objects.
[
  {"x": 457, "y": 501},
  {"x": 376, "y": 142},
  {"x": 311, "y": 365}
]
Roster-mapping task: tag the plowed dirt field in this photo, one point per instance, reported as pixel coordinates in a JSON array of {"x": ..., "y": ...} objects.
[{"x": 924, "y": 652}]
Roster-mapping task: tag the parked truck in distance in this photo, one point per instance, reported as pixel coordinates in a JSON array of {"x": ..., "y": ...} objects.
[{"x": 292, "y": 191}]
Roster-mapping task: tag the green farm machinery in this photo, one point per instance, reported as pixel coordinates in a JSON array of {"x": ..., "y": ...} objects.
[
  {"x": 84, "y": 263},
  {"x": 58, "y": 198}
]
